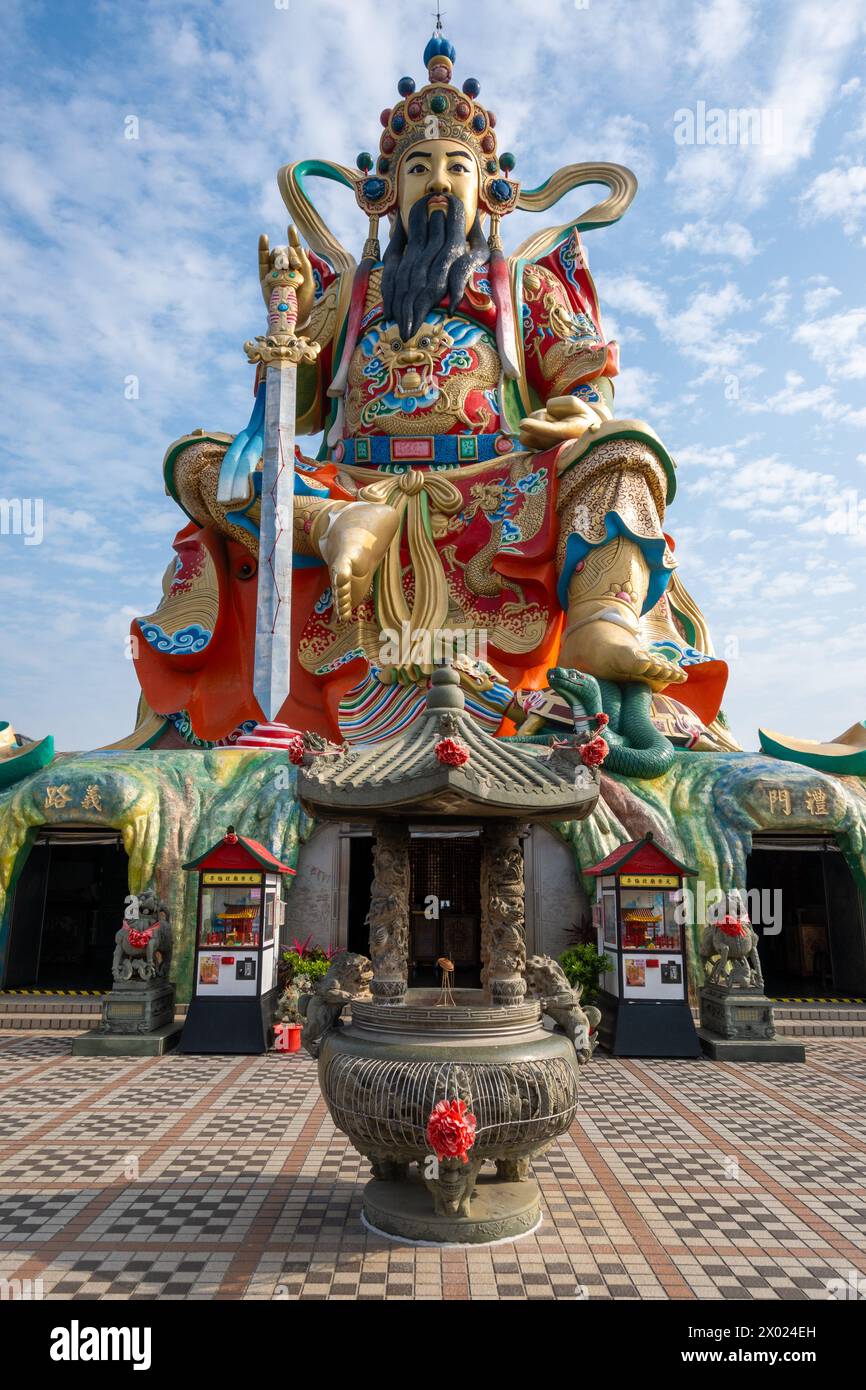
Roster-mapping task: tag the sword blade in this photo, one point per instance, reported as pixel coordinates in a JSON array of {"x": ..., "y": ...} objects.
[{"x": 272, "y": 671}]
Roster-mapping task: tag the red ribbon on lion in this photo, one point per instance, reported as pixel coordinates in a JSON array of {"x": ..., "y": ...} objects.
[{"x": 733, "y": 926}]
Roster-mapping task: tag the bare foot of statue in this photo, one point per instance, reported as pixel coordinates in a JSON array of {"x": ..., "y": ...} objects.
[
  {"x": 602, "y": 636},
  {"x": 611, "y": 651},
  {"x": 352, "y": 545}
]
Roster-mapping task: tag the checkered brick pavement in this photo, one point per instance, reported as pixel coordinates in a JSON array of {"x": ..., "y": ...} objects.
[{"x": 223, "y": 1178}]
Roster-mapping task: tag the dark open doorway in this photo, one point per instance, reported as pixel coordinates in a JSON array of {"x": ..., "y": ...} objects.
[
  {"x": 820, "y": 951},
  {"x": 360, "y": 882},
  {"x": 446, "y": 908},
  {"x": 67, "y": 909},
  {"x": 445, "y": 897}
]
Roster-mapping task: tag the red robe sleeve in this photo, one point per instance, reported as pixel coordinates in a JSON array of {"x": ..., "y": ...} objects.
[{"x": 564, "y": 344}]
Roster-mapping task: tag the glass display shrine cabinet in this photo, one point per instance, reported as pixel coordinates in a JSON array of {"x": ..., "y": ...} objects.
[
  {"x": 644, "y": 998},
  {"x": 240, "y": 913}
]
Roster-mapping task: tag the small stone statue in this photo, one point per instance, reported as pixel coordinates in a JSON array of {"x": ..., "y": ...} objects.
[
  {"x": 289, "y": 1007},
  {"x": 348, "y": 979},
  {"x": 546, "y": 981},
  {"x": 143, "y": 945},
  {"x": 732, "y": 938},
  {"x": 452, "y": 1189}
]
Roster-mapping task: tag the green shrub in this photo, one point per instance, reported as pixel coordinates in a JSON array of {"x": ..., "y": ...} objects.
[
  {"x": 583, "y": 966},
  {"x": 313, "y": 967}
]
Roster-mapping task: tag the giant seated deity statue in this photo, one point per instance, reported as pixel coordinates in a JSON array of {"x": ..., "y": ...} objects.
[{"x": 474, "y": 485}]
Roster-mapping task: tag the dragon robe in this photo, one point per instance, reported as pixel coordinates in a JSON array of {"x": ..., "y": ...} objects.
[{"x": 490, "y": 533}]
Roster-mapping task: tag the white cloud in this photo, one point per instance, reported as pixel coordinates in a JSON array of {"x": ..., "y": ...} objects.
[
  {"x": 631, "y": 295},
  {"x": 793, "y": 400},
  {"x": 838, "y": 193},
  {"x": 819, "y": 298},
  {"x": 800, "y": 88},
  {"x": 634, "y": 390},
  {"x": 777, "y": 297},
  {"x": 721, "y": 31},
  {"x": 838, "y": 343},
  {"x": 702, "y": 457},
  {"x": 727, "y": 240},
  {"x": 697, "y": 330}
]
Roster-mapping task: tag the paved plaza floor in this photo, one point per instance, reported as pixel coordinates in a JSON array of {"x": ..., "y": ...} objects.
[{"x": 223, "y": 1177}]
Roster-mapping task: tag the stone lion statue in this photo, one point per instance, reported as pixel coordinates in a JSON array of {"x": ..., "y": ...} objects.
[
  {"x": 733, "y": 940},
  {"x": 143, "y": 945},
  {"x": 546, "y": 981},
  {"x": 348, "y": 978}
]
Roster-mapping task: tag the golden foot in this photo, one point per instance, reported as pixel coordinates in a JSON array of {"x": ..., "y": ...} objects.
[
  {"x": 607, "y": 651},
  {"x": 352, "y": 547}
]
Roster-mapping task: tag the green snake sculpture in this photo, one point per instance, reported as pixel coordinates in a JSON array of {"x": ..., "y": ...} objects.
[{"x": 637, "y": 747}]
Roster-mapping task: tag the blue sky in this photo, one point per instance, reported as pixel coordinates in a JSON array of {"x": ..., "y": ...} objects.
[{"x": 735, "y": 285}]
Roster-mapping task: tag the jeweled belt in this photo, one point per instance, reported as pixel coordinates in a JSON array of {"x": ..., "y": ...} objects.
[{"x": 398, "y": 453}]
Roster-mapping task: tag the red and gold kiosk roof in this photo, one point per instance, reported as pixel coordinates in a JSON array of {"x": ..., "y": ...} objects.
[
  {"x": 235, "y": 851},
  {"x": 641, "y": 857}
]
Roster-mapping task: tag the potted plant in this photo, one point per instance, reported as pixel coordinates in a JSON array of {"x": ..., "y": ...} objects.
[{"x": 583, "y": 967}]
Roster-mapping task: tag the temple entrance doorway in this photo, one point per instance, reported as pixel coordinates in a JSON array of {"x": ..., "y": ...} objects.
[
  {"x": 360, "y": 884},
  {"x": 445, "y": 898},
  {"x": 67, "y": 909},
  {"x": 820, "y": 951},
  {"x": 446, "y": 906}
]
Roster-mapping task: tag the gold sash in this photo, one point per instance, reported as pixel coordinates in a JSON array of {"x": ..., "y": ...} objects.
[{"x": 422, "y": 500}]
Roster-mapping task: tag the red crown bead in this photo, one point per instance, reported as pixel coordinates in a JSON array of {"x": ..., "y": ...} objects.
[
  {"x": 385, "y": 115},
  {"x": 488, "y": 144},
  {"x": 491, "y": 119},
  {"x": 413, "y": 110},
  {"x": 387, "y": 144},
  {"x": 463, "y": 110}
]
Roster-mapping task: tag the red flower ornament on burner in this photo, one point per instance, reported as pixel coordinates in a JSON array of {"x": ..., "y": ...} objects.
[
  {"x": 452, "y": 751},
  {"x": 593, "y": 753},
  {"x": 451, "y": 1129},
  {"x": 296, "y": 750}
]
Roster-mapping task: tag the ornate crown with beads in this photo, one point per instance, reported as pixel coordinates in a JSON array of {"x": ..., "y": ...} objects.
[{"x": 439, "y": 111}]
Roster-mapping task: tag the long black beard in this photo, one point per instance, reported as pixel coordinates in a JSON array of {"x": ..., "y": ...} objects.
[{"x": 433, "y": 261}]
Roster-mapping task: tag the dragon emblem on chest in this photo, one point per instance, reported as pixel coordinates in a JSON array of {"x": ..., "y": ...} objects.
[{"x": 443, "y": 376}]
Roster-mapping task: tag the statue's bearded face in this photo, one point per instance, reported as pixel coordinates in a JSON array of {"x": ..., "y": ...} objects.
[
  {"x": 437, "y": 240},
  {"x": 435, "y": 170}
]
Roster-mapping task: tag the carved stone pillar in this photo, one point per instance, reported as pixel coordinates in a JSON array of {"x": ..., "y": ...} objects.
[
  {"x": 503, "y": 933},
  {"x": 389, "y": 913}
]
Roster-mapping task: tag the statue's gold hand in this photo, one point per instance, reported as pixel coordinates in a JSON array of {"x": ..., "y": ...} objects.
[
  {"x": 564, "y": 417},
  {"x": 292, "y": 264}
]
